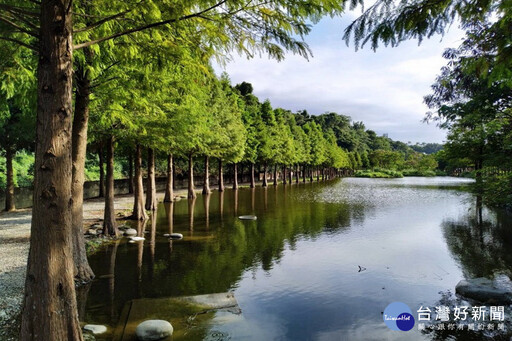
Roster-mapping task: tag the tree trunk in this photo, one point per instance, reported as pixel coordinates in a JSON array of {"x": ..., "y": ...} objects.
[
  {"x": 304, "y": 170},
  {"x": 49, "y": 307},
  {"x": 264, "y": 184},
  {"x": 297, "y": 174},
  {"x": 191, "y": 192},
  {"x": 169, "y": 195},
  {"x": 9, "y": 190},
  {"x": 318, "y": 174},
  {"x": 151, "y": 202},
  {"x": 290, "y": 175},
  {"x": 101, "y": 193},
  {"x": 206, "y": 183},
  {"x": 139, "y": 213},
  {"x": 284, "y": 175},
  {"x": 130, "y": 172},
  {"x": 253, "y": 182},
  {"x": 109, "y": 218},
  {"x": 221, "y": 177},
  {"x": 275, "y": 175},
  {"x": 235, "y": 176},
  {"x": 83, "y": 272}
]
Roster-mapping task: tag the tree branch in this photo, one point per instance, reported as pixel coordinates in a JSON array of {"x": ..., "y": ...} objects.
[
  {"x": 100, "y": 22},
  {"x": 19, "y": 42},
  {"x": 18, "y": 27},
  {"x": 145, "y": 27},
  {"x": 19, "y": 10}
]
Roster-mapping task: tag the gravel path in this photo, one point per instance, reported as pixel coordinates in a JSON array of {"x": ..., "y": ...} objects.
[
  {"x": 14, "y": 243},
  {"x": 14, "y": 246}
]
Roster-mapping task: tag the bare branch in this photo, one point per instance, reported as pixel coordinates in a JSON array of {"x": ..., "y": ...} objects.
[
  {"x": 19, "y": 42},
  {"x": 145, "y": 27}
]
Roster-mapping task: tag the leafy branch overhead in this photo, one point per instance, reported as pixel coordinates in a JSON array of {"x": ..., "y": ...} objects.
[{"x": 248, "y": 27}]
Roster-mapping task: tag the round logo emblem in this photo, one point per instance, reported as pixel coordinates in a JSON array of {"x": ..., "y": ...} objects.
[{"x": 398, "y": 316}]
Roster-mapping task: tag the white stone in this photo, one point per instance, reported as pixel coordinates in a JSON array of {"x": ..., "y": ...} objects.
[
  {"x": 136, "y": 239},
  {"x": 247, "y": 217},
  {"x": 91, "y": 232},
  {"x": 153, "y": 330},
  {"x": 175, "y": 236},
  {"x": 130, "y": 232},
  {"x": 95, "y": 328}
]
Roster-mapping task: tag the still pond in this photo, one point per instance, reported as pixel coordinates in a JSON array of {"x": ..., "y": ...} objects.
[{"x": 321, "y": 262}]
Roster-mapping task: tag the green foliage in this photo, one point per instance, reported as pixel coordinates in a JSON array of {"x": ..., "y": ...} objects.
[
  {"x": 23, "y": 169},
  {"x": 475, "y": 111},
  {"x": 418, "y": 172},
  {"x": 378, "y": 173},
  {"x": 386, "y": 159},
  {"x": 497, "y": 190},
  {"x": 427, "y": 148}
]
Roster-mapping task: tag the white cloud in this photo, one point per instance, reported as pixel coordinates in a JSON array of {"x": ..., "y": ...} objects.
[{"x": 384, "y": 89}]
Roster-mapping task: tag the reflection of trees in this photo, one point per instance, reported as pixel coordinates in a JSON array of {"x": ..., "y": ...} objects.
[
  {"x": 169, "y": 215},
  {"x": 152, "y": 243},
  {"x": 206, "y": 201},
  {"x": 481, "y": 241},
  {"x": 438, "y": 330},
  {"x": 82, "y": 292},
  {"x": 214, "y": 259},
  {"x": 191, "y": 208},
  {"x": 215, "y": 265}
]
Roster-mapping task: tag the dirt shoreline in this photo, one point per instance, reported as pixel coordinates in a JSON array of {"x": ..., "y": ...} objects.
[{"x": 14, "y": 246}]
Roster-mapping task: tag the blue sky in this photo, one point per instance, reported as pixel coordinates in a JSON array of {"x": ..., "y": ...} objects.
[{"x": 384, "y": 89}]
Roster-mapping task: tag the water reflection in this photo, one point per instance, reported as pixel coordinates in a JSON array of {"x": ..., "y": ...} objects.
[
  {"x": 481, "y": 241},
  {"x": 206, "y": 202},
  {"x": 299, "y": 260},
  {"x": 191, "y": 209}
]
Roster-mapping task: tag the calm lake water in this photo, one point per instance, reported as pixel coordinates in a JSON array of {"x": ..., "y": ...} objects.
[{"x": 295, "y": 270}]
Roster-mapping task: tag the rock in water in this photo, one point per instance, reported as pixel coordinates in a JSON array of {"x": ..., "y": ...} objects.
[
  {"x": 130, "y": 232},
  {"x": 91, "y": 232},
  {"x": 176, "y": 236},
  {"x": 95, "y": 328},
  {"x": 153, "y": 330},
  {"x": 137, "y": 239},
  {"x": 248, "y": 217},
  {"x": 486, "y": 290}
]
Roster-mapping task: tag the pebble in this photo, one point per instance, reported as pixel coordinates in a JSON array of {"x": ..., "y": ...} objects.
[
  {"x": 95, "y": 328},
  {"x": 130, "y": 232},
  {"x": 176, "y": 236},
  {"x": 247, "y": 217},
  {"x": 153, "y": 330}
]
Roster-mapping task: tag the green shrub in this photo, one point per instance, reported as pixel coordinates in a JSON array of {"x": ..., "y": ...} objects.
[
  {"x": 497, "y": 191},
  {"x": 378, "y": 173},
  {"x": 418, "y": 172}
]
